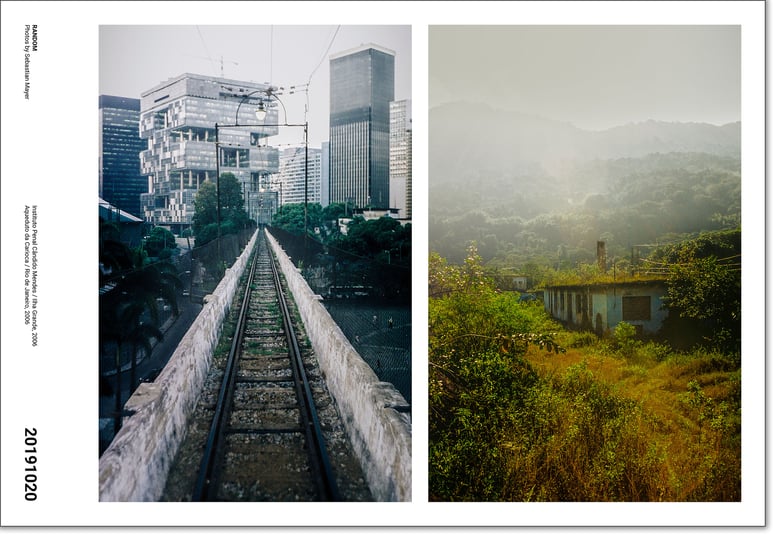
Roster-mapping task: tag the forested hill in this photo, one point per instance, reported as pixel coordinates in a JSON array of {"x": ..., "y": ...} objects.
[
  {"x": 467, "y": 133},
  {"x": 524, "y": 187}
]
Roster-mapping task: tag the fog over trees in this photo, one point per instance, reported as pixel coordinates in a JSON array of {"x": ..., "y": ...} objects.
[{"x": 532, "y": 190}]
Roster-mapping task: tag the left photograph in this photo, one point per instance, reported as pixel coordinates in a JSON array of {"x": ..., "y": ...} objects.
[{"x": 255, "y": 239}]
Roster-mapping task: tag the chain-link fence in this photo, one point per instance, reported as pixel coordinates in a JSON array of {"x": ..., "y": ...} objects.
[
  {"x": 370, "y": 301},
  {"x": 199, "y": 270},
  {"x": 202, "y": 268}
]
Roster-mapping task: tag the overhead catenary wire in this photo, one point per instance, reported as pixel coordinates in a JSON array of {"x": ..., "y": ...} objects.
[
  {"x": 670, "y": 264},
  {"x": 203, "y": 41},
  {"x": 327, "y": 50}
]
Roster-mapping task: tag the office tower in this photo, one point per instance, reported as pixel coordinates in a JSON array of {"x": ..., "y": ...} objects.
[
  {"x": 120, "y": 181},
  {"x": 362, "y": 84},
  {"x": 178, "y": 120},
  {"x": 401, "y": 158},
  {"x": 325, "y": 175},
  {"x": 293, "y": 180}
]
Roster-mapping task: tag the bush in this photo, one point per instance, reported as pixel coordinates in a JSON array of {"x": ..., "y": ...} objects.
[
  {"x": 624, "y": 336},
  {"x": 654, "y": 351},
  {"x": 478, "y": 379},
  {"x": 581, "y": 441}
]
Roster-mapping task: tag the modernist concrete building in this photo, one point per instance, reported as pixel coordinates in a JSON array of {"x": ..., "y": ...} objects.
[
  {"x": 401, "y": 158},
  {"x": 362, "y": 82},
  {"x": 177, "y": 122},
  {"x": 601, "y": 307},
  {"x": 120, "y": 182}
]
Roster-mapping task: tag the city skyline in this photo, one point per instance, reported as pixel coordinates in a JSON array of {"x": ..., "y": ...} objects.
[{"x": 273, "y": 54}]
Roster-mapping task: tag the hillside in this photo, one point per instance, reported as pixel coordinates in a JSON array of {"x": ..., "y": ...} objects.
[{"x": 523, "y": 185}]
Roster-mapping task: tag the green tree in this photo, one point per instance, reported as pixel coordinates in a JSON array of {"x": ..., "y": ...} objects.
[
  {"x": 334, "y": 211},
  {"x": 704, "y": 293},
  {"x": 129, "y": 291},
  {"x": 384, "y": 239},
  {"x": 160, "y": 241},
  {"x": 122, "y": 323},
  {"x": 232, "y": 215},
  {"x": 478, "y": 377},
  {"x": 290, "y": 217},
  {"x": 708, "y": 292}
]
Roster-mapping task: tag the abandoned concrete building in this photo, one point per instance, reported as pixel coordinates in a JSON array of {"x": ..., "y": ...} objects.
[{"x": 600, "y": 307}]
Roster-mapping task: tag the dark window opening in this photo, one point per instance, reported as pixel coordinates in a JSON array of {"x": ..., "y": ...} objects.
[{"x": 636, "y": 307}]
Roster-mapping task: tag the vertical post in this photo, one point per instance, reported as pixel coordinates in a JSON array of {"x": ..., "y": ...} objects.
[
  {"x": 306, "y": 177},
  {"x": 219, "y": 201},
  {"x": 305, "y": 187}
]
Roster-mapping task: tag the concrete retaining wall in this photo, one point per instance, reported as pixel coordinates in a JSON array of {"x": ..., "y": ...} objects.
[
  {"x": 135, "y": 466},
  {"x": 380, "y": 435}
]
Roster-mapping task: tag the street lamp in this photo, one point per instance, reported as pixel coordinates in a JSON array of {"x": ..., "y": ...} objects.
[{"x": 261, "y": 113}]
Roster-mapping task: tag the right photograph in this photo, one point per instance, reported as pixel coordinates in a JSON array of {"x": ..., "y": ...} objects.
[{"x": 584, "y": 264}]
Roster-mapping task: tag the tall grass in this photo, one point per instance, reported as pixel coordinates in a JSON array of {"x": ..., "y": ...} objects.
[
  {"x": 637, "y": 439},
  {"x": 595, "y": 424},
  {"x": 618, "y": 419}
]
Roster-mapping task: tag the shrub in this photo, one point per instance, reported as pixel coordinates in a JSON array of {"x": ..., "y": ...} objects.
[
  {"x": 624, "y": 336},
  {"x": 653, "y": 351},
  {"x": 478, "y": 378},
  {"x": 583, "y": 442}
]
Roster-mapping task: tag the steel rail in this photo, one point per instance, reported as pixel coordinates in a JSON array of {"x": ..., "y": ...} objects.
[
  {"x": 209, "y": 468},
  {"x": 207, "y": 482},
  {"x": 318, "y": 456}
]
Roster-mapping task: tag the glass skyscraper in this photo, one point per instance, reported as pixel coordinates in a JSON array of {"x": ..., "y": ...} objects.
[
  {"x": 362, "y": 82},
  {"x": 119, "y": 169}
]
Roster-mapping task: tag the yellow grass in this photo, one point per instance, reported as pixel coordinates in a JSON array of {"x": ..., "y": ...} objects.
[{"x": 688, "y": 417}]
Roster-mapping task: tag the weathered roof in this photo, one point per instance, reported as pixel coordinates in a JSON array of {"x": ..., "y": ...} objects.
[{"x": 607, "y": 285}]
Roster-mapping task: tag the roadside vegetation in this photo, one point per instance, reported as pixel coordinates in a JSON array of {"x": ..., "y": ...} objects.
[{"x": 524, "y": 410}]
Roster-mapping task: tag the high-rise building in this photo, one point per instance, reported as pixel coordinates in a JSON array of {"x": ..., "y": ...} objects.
[
  {"x": 292, "y": 179},
  {"x": 120, "y": 181},
  {"x": 401, "y": 158},
  {"x": 362, "y": 82},
  {"x": 325, "y": 174},
  {"x": 178, "y": 119}
]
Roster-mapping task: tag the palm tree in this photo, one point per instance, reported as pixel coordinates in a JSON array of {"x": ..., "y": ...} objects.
[
  {"x": 129, "y": 290},
  {"x": 121, "y": 324}
]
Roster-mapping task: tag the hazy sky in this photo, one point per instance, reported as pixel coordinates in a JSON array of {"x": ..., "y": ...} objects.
[
  {"x": 592, "y": 76},
  {"x": 134, "y": 59}
]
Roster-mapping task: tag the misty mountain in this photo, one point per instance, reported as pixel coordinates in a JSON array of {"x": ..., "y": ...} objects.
[
  {"x": 467, "y": 139},
  {"x": 521, "y": 185}
]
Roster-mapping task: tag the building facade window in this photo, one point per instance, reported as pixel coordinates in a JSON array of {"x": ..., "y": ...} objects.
[{"x": 636, "y": 308}]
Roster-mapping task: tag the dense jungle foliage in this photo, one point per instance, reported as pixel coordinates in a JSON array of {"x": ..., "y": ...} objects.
[
  {"x": 535, "y": 218},
  {"x": 524, "y": 410}
]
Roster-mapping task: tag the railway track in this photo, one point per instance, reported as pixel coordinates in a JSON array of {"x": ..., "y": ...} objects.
[{"x": 266, "y": 439}]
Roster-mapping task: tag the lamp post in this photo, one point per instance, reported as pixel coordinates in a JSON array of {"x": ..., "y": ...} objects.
[{"x": 260, "y": 113}]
